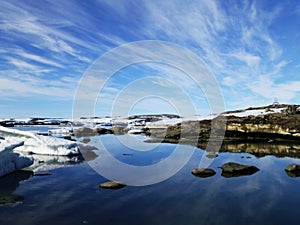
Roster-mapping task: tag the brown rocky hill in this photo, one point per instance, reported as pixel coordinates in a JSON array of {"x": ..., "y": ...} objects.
[{"x": 272, "y": 125}]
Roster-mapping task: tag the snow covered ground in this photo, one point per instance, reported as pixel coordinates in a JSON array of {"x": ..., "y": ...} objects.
[
  {"x": 254, "y": 112},
  {"x": 172, "y": 121}
]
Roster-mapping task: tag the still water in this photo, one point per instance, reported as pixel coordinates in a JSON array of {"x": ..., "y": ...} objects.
[{"x": 69, "y": 194}]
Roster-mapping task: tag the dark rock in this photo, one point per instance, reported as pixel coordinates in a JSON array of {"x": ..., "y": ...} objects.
[
  {"x": 292, "y": 110},
  {"x": 232, "y": 169},
  {"x": 103, "y": 131},
  {"x": 203, "y": 172},
  {"x": 112, "y": 185},
  {"x": 293, "y": 170}
]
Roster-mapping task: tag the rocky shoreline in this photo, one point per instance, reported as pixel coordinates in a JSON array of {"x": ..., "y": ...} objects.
[
  {"x": 277, "y": 126},
  {"x": 278, "y": 129},
  {"x": 275, "y": 131}
]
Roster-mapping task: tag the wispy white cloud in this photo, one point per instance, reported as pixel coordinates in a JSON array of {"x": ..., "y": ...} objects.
[
  {"x": 14, "y": 86},
  {"x": 249, "y": 59},
  {"x": 56, "y": 42},
  {"x": 236, "y": 44},
  {"x": 269, "y": 89},
  {"x": 23, "y": 65},
  {"x": 38, "y": 31},
  {"x": 38, "y": 59}
]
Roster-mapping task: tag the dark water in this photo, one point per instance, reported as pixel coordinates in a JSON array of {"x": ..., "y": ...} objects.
[{"x": 71, "y": 194}]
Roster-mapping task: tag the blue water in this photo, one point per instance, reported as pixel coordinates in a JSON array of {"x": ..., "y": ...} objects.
[
  {"x": 42, "y": 129},
  {"x": 71, "y": 194}
]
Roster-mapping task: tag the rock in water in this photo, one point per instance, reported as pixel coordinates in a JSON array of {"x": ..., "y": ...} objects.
[
  {"x": 112, "y": 185},
  {"x": 203, "y": 172},
  {"x": 293, "y": 170},
  {"x": 211, "y": 155},
  {"x": 232, "y": 169}
]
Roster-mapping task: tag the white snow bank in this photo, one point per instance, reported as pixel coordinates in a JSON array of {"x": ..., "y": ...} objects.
[
  {"x": 38, "y": 144},
  {"x": 11, "y": 161}
]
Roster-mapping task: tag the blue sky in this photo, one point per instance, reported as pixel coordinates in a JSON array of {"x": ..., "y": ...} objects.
[{"x": 251, "y": 47}]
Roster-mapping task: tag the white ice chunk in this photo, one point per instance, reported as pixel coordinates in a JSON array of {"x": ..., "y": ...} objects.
[
  {"x": 38, "y": 144},
  {"x": 11, "y": 161}
]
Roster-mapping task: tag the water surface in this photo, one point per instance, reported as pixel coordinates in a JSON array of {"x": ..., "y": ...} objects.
[{"x": 70, "y": 195}]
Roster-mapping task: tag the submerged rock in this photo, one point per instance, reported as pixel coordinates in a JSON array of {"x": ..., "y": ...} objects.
[
  {"x": 203, "y": 172},
  {"x": 232, "y": 169},
  {"x": 112, "y": 185}
]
